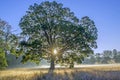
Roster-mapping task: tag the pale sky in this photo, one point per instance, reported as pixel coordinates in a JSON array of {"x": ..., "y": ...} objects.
[{"x": 105, "y": 14}]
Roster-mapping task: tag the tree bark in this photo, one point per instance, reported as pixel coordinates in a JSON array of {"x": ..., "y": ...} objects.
[
  {"x": 52, "y": 64},
  {"x": 71, "y": 65}
]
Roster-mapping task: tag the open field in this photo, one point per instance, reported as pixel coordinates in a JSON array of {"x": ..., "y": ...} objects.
[{"x": 83, "y": 72}]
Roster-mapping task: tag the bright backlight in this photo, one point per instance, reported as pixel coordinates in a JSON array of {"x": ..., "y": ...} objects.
[{"x": 55, "y": 51}]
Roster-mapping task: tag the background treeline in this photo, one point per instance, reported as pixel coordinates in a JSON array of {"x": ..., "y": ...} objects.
[{"x": 107, "y": 57}]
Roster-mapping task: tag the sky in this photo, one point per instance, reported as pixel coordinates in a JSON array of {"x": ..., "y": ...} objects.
[{"x": 105, "y": 14}]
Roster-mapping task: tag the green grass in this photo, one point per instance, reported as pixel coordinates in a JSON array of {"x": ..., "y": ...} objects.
[{"x": 109, "y": 72}]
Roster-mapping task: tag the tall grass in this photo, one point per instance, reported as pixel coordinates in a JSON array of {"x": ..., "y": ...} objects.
[{"x": 85, "y": 73}]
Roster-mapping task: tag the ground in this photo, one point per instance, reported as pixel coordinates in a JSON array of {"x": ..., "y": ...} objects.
[{"x": 83, "y": 72}]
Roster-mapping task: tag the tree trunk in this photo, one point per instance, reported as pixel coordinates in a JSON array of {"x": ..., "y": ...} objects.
[
  {"x": 71, "y": 65},
  {"x": 52, "y": 64}
]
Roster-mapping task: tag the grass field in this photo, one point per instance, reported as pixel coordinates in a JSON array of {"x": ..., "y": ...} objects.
[{"x": 96, "y": 72}]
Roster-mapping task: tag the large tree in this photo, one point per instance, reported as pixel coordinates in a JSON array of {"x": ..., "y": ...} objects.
[{"x": 54, "y": 33}]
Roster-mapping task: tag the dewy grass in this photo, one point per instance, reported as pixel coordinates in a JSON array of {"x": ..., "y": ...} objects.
[{"x": 83, "y": 73}]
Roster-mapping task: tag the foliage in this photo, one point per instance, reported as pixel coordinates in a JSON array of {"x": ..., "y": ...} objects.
[
  {"x": 3, "y": 62},
  {"x": 49, "y": 26},
  {"x": 14, "y": 62},
  {"x": 4, "y": 35},
  {"x": 7, "y": 40},
  {"x": 107, "y": 57}
]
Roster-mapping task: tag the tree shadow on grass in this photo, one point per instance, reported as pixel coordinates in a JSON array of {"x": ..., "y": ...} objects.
[{"x": 81, "y": 75}]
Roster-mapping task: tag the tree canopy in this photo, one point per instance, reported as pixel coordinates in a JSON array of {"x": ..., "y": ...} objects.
[{"x": 50, "y": 28}]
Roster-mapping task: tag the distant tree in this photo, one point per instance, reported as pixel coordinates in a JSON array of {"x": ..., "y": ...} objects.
[
  {"x": 6, "y": 42},
  {"x": 52, "y": 32},
  {"x": 107, "y": 56},
  {"x": 116, "y": 56},
  {"x": 98, "y": 58},
  {"x": 90, "y": 60},
  {"x": 4, "y": 35}
]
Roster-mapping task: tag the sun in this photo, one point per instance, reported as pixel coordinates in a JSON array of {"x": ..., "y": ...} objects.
[{"x": 55, "y": 51}]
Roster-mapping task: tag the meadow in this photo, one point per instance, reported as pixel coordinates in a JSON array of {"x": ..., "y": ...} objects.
[{"x": 96, "y": 72}]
